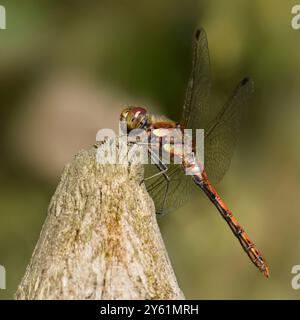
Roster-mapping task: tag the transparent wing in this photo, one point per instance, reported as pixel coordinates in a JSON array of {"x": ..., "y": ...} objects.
[
  {"x": 195, "y": 109},
  {"x": 220, "y": 140},
  {"x": 222, "y": 133},
  {"x": 195, "y": 114},
  {"x": 181, "y": 187}
]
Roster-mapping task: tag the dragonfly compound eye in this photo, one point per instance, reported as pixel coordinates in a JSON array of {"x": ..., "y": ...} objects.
[{"x": 124, "y": 114}]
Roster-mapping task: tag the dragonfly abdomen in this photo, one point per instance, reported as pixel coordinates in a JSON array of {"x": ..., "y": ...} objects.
[{"x": 248, "y": 246}]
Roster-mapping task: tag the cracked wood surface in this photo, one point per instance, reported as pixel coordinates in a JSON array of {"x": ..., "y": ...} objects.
[{"x": 100, "y": 239}]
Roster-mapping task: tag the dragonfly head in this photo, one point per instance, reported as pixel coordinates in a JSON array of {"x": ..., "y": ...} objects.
[{"x": 135, "y": 117}]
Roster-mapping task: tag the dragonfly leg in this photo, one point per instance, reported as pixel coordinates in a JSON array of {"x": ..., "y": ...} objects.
[
  {"x": 159, "y": 164},
  {"x": 162, "y": 171}
]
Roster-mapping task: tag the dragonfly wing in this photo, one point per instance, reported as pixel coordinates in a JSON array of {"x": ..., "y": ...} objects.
[
  {"x": 195, "y": 108},
  {"x": 221, "y": 134},
  {"x": 194, "y": 114},
  {"x": 181, "y": 187}
]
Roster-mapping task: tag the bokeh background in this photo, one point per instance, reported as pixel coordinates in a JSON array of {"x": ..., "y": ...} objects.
[{"x": 67, "y": 68}]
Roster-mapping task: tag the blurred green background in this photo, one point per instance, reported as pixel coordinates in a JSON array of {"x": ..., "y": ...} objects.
[{"x": 67, "y": 68}]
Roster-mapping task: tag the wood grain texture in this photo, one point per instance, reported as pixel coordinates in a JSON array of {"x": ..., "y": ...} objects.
[{"x": 100, "y": 239}]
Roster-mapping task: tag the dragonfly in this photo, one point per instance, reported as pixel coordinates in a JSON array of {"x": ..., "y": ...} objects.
[{"x": 168, "y": 184}]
